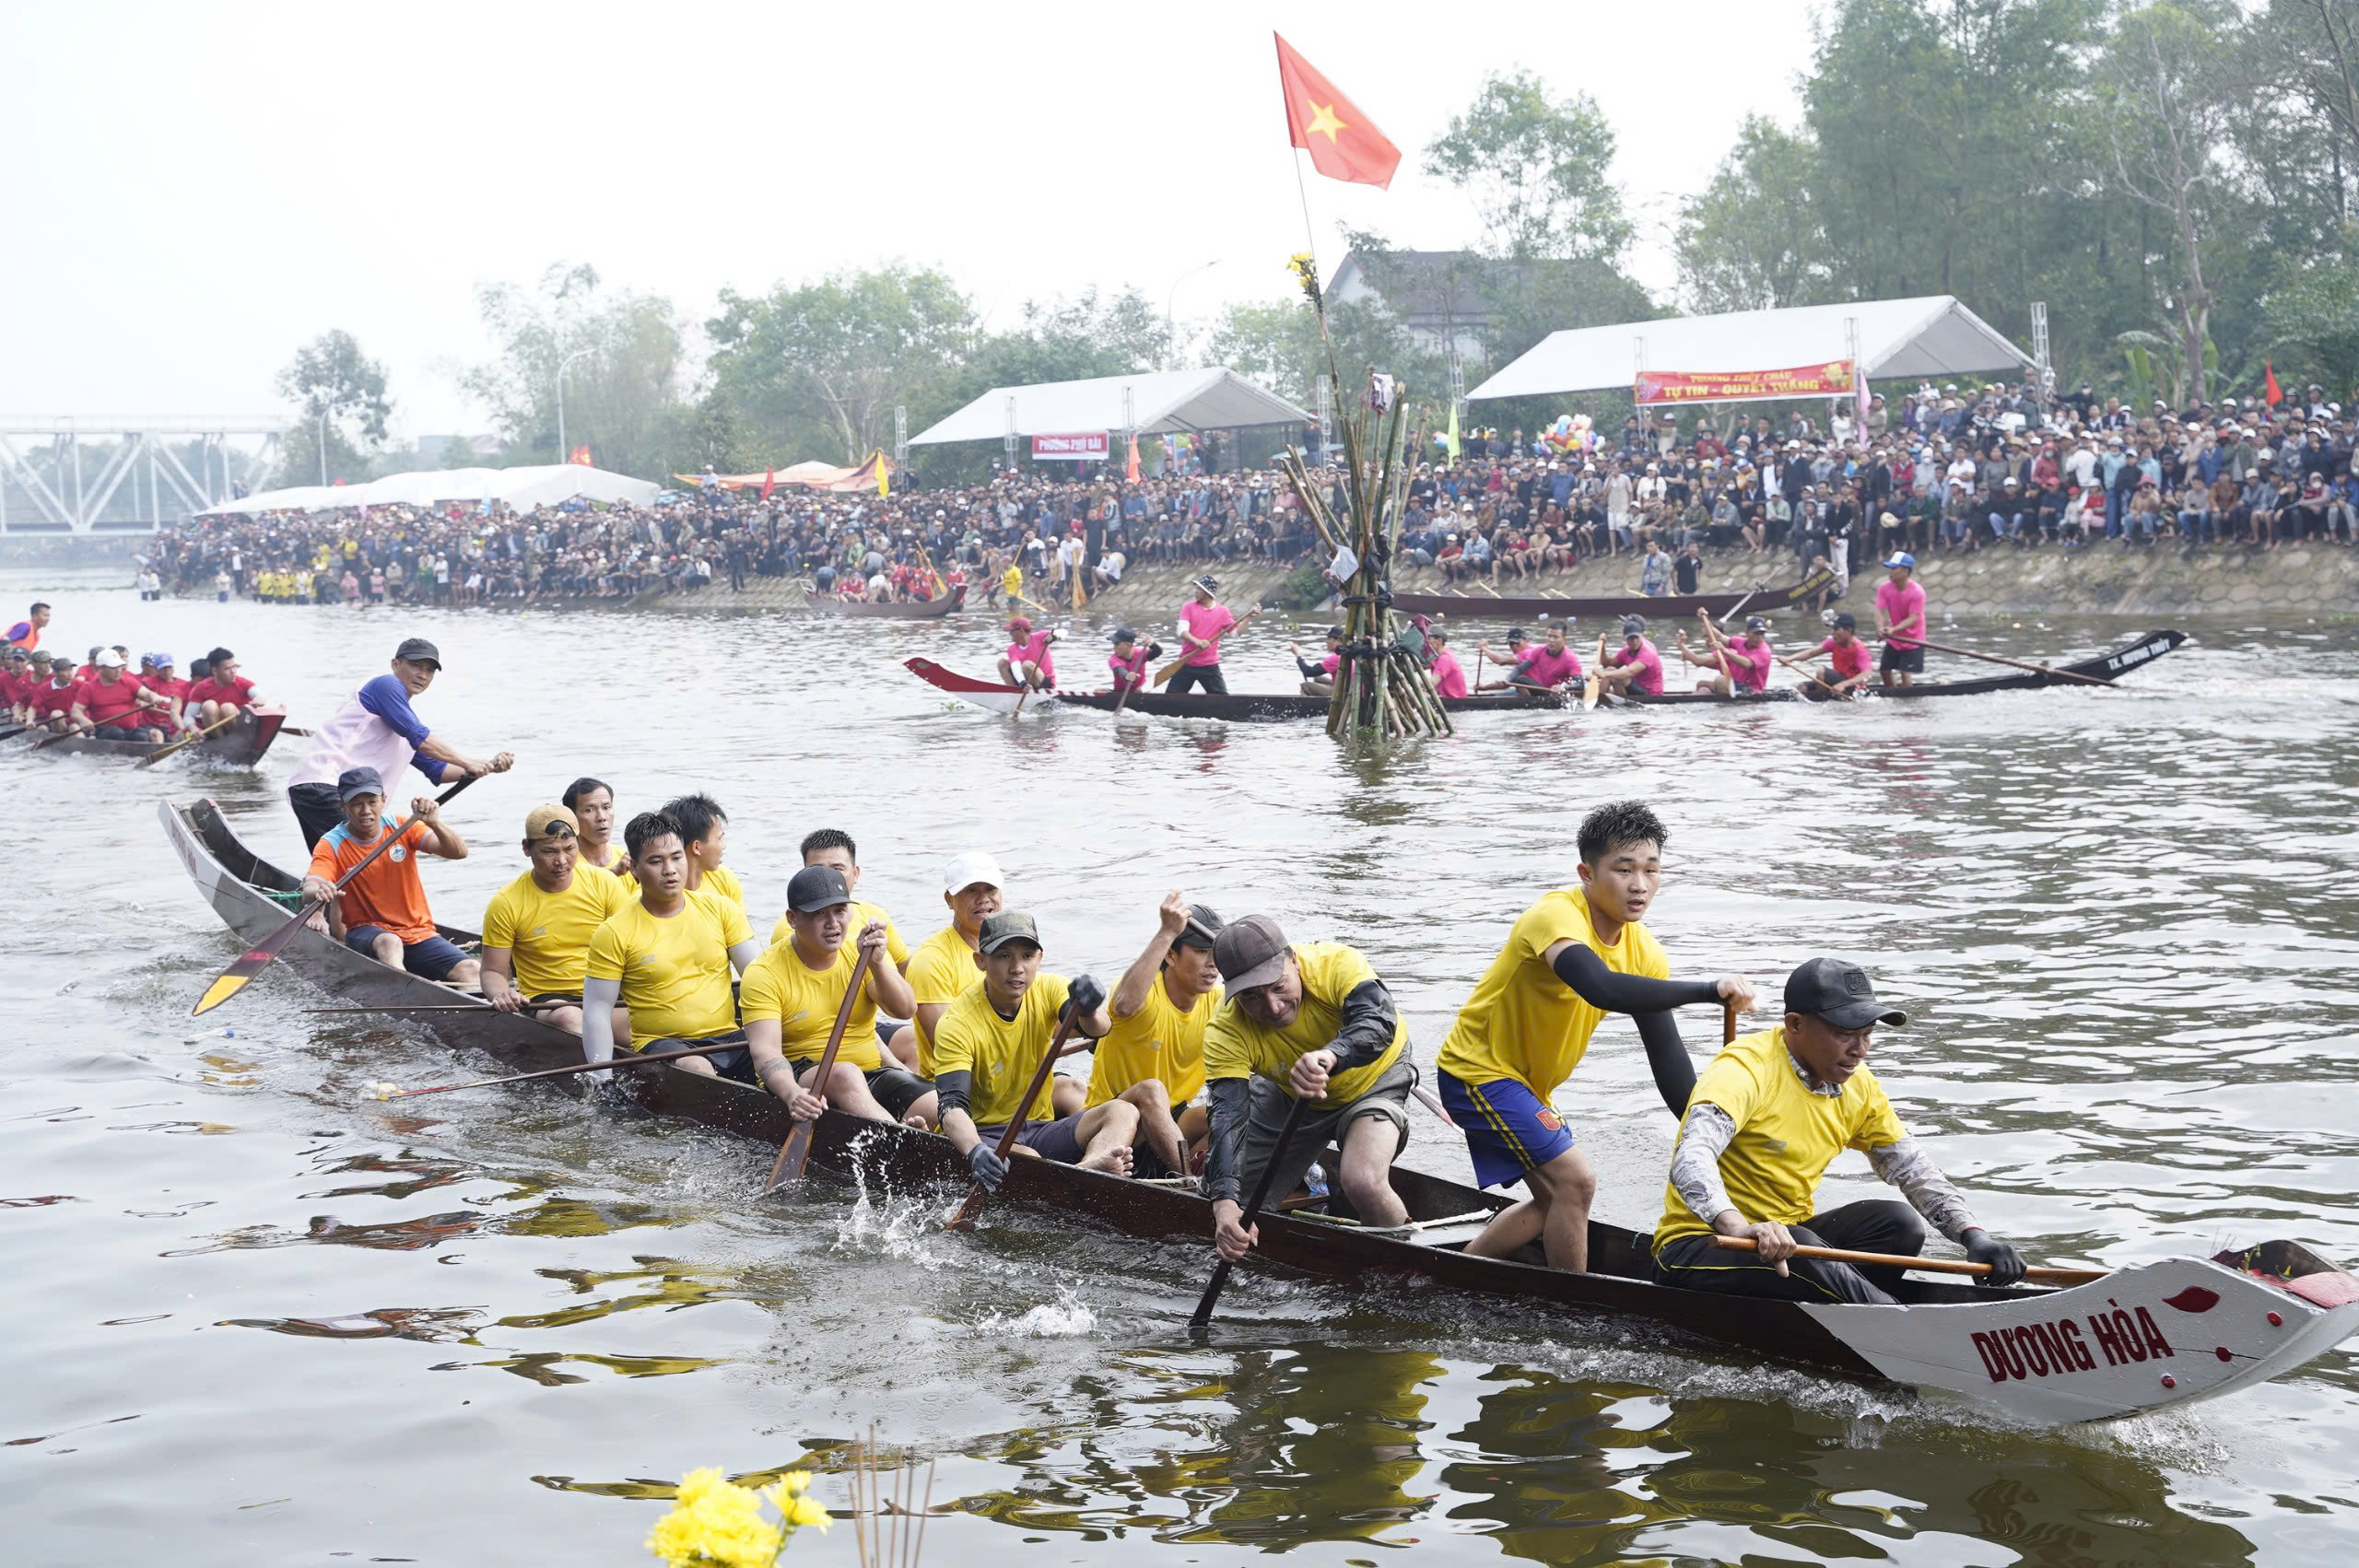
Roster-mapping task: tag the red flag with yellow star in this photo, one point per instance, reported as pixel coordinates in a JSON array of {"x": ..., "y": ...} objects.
[{"x": 1342, "y": 143}]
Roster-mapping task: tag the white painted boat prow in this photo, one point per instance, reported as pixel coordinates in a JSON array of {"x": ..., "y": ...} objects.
[{"x": 2144, "y": 1337}]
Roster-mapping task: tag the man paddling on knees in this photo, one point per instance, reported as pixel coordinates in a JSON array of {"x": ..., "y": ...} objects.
[
  {"x": 1308, "y": 1021},
  {"x": 792, "y": 993},
  {"x": 382, "y": 911},
  {"x": 1768, "y": 1115},
  {"x": 667, "y": 958},
  {"x": 1575, "y": 955},
  {"x": 377, "y": 728},
  {"x": 536, "y": 930},
  {"x": 1154, "y": 1055},
  {"x": 989, "y": 1043}
]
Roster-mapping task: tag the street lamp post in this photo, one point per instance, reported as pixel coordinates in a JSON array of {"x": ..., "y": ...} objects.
[
  {"x": 323, "y": 446},
  {"x": 1170, "y": 347},
  {"x": 569, "y": 359}
]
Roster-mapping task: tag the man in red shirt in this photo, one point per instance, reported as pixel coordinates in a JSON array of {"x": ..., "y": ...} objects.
[
  {"x": 155, "y": 674},
  {"x": 382, "y": 912},
  {"x": 16, "y": 681},
  {"x": 114, "y": 705},
  {"x": 1848, "y": 657},
  {"x": 221, "y": 692},
  {"x": 49, "y": 703}
]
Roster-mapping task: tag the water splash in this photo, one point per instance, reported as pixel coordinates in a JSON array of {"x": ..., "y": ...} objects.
[{"x": 1066, "y": 1317}]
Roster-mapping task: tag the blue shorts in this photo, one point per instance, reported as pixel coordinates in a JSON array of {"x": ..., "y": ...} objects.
[
  {"x": 434, "y": 958},
  {"x": 1509, "y": 1130}
]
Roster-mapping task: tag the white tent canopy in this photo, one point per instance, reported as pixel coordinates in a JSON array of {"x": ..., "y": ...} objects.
[
  {"x": 1212, "y": 398},
  {"x": 1930, "y": 337},
  {"x": 521, "y": 488}
]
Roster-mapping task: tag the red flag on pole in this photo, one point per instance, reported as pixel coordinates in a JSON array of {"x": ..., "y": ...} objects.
[
  {"x": 770, "y": 482},
  {"x": 1342, "y": 143},
  {"x": 1131, "y": 469},
  {"x": 2270, "y": 392}
]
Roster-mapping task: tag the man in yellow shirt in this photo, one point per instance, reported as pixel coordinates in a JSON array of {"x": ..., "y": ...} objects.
[
  {"x": 1154, "y": 1057},
  {"x": 592, "y": 801},
  {"x": 1309, "y": 1022},
  {"x": 667, "y": 958},
  {"x": 704, "y": 833},
  {"x": 1770, "y": 1113},
  {"x": 790, "y": 995},
  {"x": 988, "y": 1045},
  {"x": 833, "y": 846},
  {"x": 536, "y": 930},
  {"x": 1578, "y": 954}
]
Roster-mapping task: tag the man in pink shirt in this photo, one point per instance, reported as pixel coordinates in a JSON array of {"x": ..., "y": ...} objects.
[
  {"x": 1027, "y": 661},
  {"x": 1130, "y": 658},
  {"x": 1318, "y": 675},
  {"x": 1634, "y": 668},
  {"x": 1551, "y": 666},
  {"x": 1447, "y": 675},
  {"x": 1900, "y": 621},
  {"x": 1738, "y": 664},
  {"x": 1201, "y": 624}
]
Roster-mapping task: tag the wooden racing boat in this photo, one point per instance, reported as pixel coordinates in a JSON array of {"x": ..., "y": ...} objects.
[
  {"x": 2106, "y": 666},
  {"x": 1505, "y": 607},
  {"x": 2152, "y": 1334},
  {"x": 1244, "y": 707},
  {"x": 929, "y": 610},
  {"x": 239, "y": 745}
]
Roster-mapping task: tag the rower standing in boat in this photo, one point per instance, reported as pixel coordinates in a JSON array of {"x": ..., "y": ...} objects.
[
  {"x": 1767, "y": 1115},
  {"x": 1635, "y": 666},
  {"x": 1740, "y": 664},
  {"x": 790, "y": 995},
  {"x": 1578, "y": 954},
  {"x": 666, "y": 957},
  {"x": 375, "y": 728},
  {"x": 1847, "y": 668},
  {"x": 1313, "y": 1022},
  {"x": 592, "y": 801},
  {"x": 704, "y": 833},
  {"x": 536, "y": 930},
  {"x": 1029, "y": 662},
  {"x": 383, "y": 913},
  {"x": 1202, "y": 622},
  {"x": 989, "y": 1043},
  {"x": 1154, "y": 1055},
  {"x": 1128, "y": 663},
  {"x": 1319, "y": 677},
  {"x": 1900, "y": 621}
]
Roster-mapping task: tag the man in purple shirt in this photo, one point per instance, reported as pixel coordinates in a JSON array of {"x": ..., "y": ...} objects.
[
  {"x": 1634, "y": 668},
  {"x": 377, "y": 728}
]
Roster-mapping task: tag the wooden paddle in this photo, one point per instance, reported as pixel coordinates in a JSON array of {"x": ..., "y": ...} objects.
[
  {"x": 1727, "y": 1022},
  {"x": 66, "y": 735},
  {"x": 977, "y": 1194},
  {"x": 1594, "y": 685},
  {"x": 1931, "y": 1265},
  {"x": 2010, "y": 663},
  {"x": 620, "y": 1059},
  {"x": 1204, "y": 1313},
  {"x": 1740, "y": 604},
  {"x": 255, "y": 959},
  {"x": 795, "y": 1153},
  {"x": 1173, "y": 667},
  {"x": 160, "y": 753}
]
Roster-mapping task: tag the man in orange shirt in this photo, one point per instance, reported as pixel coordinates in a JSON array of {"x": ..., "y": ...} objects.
[{"x": 382, "y": 911}]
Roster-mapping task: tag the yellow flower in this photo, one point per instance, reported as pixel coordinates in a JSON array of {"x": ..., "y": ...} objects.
[
  {"x": 715, "y": 1522},
  {"x": 793, "y": 1506}
]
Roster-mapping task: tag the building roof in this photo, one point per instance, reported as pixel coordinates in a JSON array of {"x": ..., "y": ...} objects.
[
  {"x": 1210, "y": 399},
  {"x": 522, "y": 488}
]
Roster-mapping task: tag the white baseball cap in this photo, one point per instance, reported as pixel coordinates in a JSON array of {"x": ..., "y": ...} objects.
[{"x": 975, "y": 866}]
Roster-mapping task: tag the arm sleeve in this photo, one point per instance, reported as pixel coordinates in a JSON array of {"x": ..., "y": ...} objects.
[
  {"x": 1579, "y": 967},
  {"x": 1695, "y": 1160},
  {"x": 1368, "y": 1027},
  {"x": 954, "y": 1088},
  {"x": 1920, "y": 1181},
  {"x": 387, "y": 698},
  {"x": 1667, "y": 1055},
  {"x": 1229, "y": 1110}
]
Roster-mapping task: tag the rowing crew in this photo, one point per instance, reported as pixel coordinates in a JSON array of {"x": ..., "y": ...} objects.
[
  {"x": 105, "y": 698},
  {"x": 1212, "y": 1035}
]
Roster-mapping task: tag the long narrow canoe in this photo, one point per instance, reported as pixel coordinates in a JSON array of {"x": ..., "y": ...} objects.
[
  {"x": 240, "y": 745},
  {"x": 925, "y": 609},
  {"x": 2146, "y": 1336},
  {"x": 1507, "y": 607},
  {"x": 1262, "y": 707}
]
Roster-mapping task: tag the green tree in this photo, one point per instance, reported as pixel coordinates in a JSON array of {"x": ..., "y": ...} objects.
[
  {"x": 2314, "y": 328},
  {"x": 1752, "y": 239},
  {"x": 620, "y": 354},
  {"x": 2314, "y": 46},
  {"x": 1536, "y": 168},
  {"x": 339, "y": 393}
]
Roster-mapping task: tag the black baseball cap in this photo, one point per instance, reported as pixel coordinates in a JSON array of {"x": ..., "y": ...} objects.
[
  {"x": 1634, "y": 625},
  {"x": 1199, "y": 915},
  {"x": 814, "y": 888},
  {"x": 417, "y": 650},
  {"x": 1125, "y": 634},
  {"x": 1845, "y": 618},
  {"x": 355, "y": 781},
  {"x": 1756, "y": 623},
  {"x": 1008, "y": 925},
  {"x": 1840, "y": 993},
  {"x": 1334, "y": 631}
]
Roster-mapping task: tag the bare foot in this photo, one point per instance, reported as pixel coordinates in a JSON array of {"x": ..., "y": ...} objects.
[{"x": 1114, "y": 1162}]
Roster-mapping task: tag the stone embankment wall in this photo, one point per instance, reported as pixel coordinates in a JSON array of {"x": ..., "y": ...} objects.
[{"x": 2103, "y": 580}]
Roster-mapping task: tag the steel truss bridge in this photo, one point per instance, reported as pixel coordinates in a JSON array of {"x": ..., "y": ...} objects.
[{"x": 77, "y": 475}]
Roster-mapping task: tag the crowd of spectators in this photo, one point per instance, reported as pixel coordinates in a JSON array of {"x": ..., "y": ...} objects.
[{"x": 1929, "y": 471}]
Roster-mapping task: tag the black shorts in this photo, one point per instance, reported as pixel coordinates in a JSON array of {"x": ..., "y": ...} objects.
[
  {"x": 1059, "y": 1140},
  {"x": 1909, "y": 660},
  {"x": 896, "y": 1089},
  {"x": 317, "y": 811},
  {"x": 737, "y": 1064}
]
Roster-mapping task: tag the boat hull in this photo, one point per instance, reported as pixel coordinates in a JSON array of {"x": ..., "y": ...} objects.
[
  {"x": 1507, "y": 607},
  {"x": 240, "y": 745},
  {"x": 931, "y": 610}
]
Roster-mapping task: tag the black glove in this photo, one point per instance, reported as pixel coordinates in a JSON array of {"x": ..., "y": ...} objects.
[
  {"x": 1084, "y": 996},
  {"x": 2006, "y": 1263},
  {"x": 1153, "y": 650},
  {"x": 989, "y": 1168}
]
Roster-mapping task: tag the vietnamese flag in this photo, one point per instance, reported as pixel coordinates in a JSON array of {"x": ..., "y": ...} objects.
[
  {"x": 2269, "y": 392},
  {"x": 770, "y": 482},
  {"x": 1342, "y": 143}
]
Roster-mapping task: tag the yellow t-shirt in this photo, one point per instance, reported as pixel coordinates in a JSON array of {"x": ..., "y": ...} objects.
[
  {"x": 1785, "y": 1136},
  {"x": 1011, "y": 581},
  {"x": 723, "y": 880},
  {"x": 675, "y": 973},
  {"x": 780, "y": 985},
  {"x": 1001, "y": 1053},
  {"x": 1238, "y": 1047},
  {"x": 547, "y": 934},
  {"x": 1522, "y": 1021},
  {"x": 617, "y": 861},
  {"x": 941, "y": 971},
  {"x": 1158, "y": 1041},
  {"x": 894, "y": 948}
]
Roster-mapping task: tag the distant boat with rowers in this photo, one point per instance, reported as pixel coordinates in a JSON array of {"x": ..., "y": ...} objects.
[
  {"x": 1263, "y": 707},
  {"x": 892, "y": 610},
  {"x": 241, "y": 744},
  {"x": 2152, "y": 1334},
  {"x": 1488, "y": 606}
]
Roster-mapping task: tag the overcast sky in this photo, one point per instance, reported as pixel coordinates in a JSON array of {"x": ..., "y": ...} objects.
[{"x": 197, "y": 188}]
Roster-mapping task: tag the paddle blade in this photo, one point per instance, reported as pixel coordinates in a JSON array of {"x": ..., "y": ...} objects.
[
  {"x": 787, "y": 1170},
  {"x": 1203, "y": 1315},
  {"x": 225, "y": 986},
  {"x": 249, "y": 964},
  {"x": 1589, "y": 688}
]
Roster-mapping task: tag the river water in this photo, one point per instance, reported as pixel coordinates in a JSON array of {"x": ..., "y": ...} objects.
[{"x": 257, "y": 1317}]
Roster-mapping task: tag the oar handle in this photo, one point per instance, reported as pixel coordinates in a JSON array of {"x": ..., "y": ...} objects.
[
  {"x": 977, "y": 1194},
  {"x": 1931, "y": 1265},
  {"x": 2010, "y": 664},
  {"x": 795, "y": 1153},
  {"x": 1727, "y": 1022},
  {"x": 1219, "y": 1281}
]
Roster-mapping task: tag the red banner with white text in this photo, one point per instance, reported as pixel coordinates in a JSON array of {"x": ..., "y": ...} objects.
[{"x": 1832, "y": 378}]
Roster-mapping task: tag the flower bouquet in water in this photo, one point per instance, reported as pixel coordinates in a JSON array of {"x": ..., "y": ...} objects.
[{"x": 715, "y": 1523}]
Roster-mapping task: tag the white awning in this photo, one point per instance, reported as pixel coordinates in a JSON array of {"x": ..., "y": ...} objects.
[
  {"x": 521, "y": 488},
  {"x": 1213, "y": 399},
  {"x": 1926, "y": 338}
]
